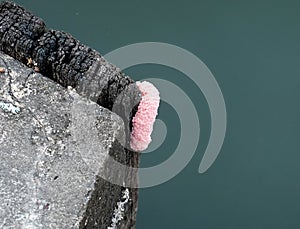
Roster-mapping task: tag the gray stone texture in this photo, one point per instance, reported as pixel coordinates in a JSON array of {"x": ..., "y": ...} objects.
[{"x": 55, "y": 148}]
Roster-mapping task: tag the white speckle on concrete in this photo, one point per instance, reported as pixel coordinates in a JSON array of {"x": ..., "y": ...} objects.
[
  {"x": 8, "y": 107},
  {"x": 3, "y": 135},
  {"x": 48, "y": 129},
  {"x": 20, "y": 91},
  {"x": 119, "y": 211},
  {"x": 102, "y": 69}
]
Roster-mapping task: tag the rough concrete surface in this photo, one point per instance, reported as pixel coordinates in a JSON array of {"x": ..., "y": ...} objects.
[{"x": 54, "y": 148}]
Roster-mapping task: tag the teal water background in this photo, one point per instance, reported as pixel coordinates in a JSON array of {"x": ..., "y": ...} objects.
[{"x": 252, "y": 48}]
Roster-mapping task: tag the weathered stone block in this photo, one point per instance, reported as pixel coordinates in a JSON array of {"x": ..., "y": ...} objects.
[{"x": 54, "y": 153}]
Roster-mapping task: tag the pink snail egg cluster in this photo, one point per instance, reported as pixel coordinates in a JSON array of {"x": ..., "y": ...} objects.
[{"x": 143, "y": 121}]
